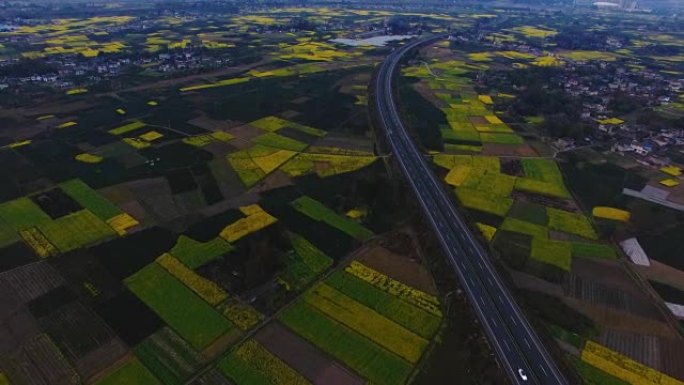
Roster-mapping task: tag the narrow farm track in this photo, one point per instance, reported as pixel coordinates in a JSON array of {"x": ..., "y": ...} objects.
[{"x": 517, "y": 346}]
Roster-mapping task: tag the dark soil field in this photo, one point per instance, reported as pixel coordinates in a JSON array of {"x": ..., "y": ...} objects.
[
  {"x": 120, "y": 310},
  {"x": 668, "y": 293},
  {"x": 399, "y": 267}
]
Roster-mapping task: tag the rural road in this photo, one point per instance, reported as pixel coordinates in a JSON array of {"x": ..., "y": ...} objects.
[{"x": 515, "y": 343}]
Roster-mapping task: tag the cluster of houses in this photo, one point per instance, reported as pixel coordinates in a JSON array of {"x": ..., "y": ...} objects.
[{"x": 106, "y": 66}]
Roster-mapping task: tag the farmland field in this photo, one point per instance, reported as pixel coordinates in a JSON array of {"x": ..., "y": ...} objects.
[
  {"x": 557, "y": 253},
  {"x": 133, "y": 373},
  {"x": 76, "y": 230},
  {"x": 366, "y": 322},
  {"x": 359, "y": 353},
  {"x": 90, "y": 199},
  {"x": 178, "y": 306},
  {"x": 201, "y": 193},
  {"x": 411, "y": 317},
  {"x": 318, "y": 211},
  {"x": 571, "y": 223},
  {"x": 22, "y": 213},
  {"x": 195, "y": 254},
  {"x": 307, "y": 263},
  {"x": 169, "y": 357},
  {"x": 251, "y": 363}
]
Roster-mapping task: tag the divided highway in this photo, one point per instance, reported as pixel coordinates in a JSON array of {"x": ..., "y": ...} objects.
[{"x": 515, "y": 343}]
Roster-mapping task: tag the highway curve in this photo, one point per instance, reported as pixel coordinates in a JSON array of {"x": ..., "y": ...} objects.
[{"x": 515, "y": 343}]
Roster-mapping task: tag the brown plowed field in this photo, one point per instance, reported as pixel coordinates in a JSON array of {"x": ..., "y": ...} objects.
[
  {"x": 621, "y": 320},
  {"x": 399, "y": 267}
]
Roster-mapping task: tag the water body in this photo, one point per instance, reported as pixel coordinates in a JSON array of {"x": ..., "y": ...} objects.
[{"x": 377, "y": 41}]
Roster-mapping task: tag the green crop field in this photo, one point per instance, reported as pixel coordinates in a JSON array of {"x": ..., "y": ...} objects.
[
  {"x": 542, "y": 176},
  {"x": 194, "y": 254},
  {"x": 22, "y": 214},
  {"x": 132, "y": 373},
  {"x": 307, "y": 262},
  {"x": 90, "y": 199},
  {"x": 473, "y": 199},
  {"x": 192, "y": 318},
  {"x": 271, "y": 139},
  {"x": 76, "y": 230},
  {"x": 556, "y": 253},
  {"x": 519, "y": 226},
  {"x": 320, "y": 212},
  {"x": 168, "y": 356},
  {"x": 7, "y": 234},
  {"x": 540, "y": 187},
  {"x": 570, "y": 223},
  {"x": 596, "y": 250},
  {"x": 359, "y": 353},
  {"x": 411, "y": 317},
  {"x": 366, "y": 322}
]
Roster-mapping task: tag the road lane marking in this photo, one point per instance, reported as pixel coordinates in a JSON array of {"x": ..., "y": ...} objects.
[{"x": 543, "y": 371}]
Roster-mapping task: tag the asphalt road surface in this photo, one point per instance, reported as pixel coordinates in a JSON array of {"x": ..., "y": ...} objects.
[{"x": 515, "y": 343}]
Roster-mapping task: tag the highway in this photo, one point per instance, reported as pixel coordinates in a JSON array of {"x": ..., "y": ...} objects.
[{"x": 515, "y": 343}]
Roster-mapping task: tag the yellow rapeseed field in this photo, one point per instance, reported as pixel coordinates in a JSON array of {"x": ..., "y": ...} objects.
[
  {"x": 610, "y": 121},
  {"x": 366, "y": 322},
  {"x": 137, "y": 143},
  {"x": 88, "y": 158},
  {"x": 421, "y": 299},
  {"x": 67, "y": 125},
  {"x": 34, "y": 238},
  {"x": 458, "y": 175},
  {"x": 121, "y": 223},
  {"x": 669, "y": 182},
  {"x": 256, "y": 220},
  {"x": 486, "y": 99},
  {"x": 611, "y": 213},
  {"x": 76, "y": 91},
  {"x": 487, "y": 231},
  {"x": 623, "y": 367},
  {"x": 206, "y": 289},
  {"x": 672, "y": 170},
  {"x": 240, "y": 314},
  {"x": 259, "y": 359},
  {"x": 151, "y": 136}
]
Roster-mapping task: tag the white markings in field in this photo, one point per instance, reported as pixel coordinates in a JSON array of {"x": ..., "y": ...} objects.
[
  {"x": 676, "y": 309},
  {"x": 634, "y": 251}
]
